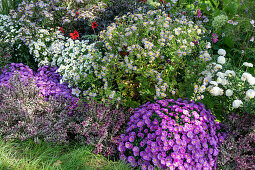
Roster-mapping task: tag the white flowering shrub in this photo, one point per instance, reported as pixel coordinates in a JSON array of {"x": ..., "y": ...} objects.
[
  {"x": 225, "y": 87},
  {"x": 219, "y": 21},
  {"x": 144, "y": 52},
  {"x": 46, "y": 44},
  {"x": 75, "y": 62}
]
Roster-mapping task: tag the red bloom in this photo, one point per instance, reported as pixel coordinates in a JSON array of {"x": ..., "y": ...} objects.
[
  {"x": 74, "y": 35},
  {"x": 61, "y": 29},
  {"x": 76, "y": 13},
  {"x": 94, "y": 25}
]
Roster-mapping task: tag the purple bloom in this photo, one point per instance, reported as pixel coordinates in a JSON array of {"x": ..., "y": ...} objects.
[
  {"x": 131, "y": 159},
  {"x": 199, "y": 13},
  {"x": 131, "y": 139},
  {"x": 128, "y": 145},
  {"x": 190, "y": 134},
  {"x": 189, "y": 128},
  {"x": 214, "y": 38}
]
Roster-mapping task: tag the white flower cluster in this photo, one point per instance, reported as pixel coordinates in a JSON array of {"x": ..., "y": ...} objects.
[
  {"x": 75, "y": 60},
  {"x": 218, "y": 80},
  {"x": 41, "y": 47},
  {"x": 9, "y": 30}
]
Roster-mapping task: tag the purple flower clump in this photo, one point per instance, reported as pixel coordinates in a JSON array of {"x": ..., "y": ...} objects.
[
  {"x": 47, "y": 80},
  {"x": 171, "y": 134}
]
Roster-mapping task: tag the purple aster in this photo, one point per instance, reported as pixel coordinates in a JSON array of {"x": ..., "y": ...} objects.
[
  {"x": 131, "y": 159},
  {"x": 146, "y": 157},
  {"x": 190, "y": 134},
  {"x": 135, "y": 149},
  {"x": 128, "y": 145},
  {"x": 131, "y": 139}
]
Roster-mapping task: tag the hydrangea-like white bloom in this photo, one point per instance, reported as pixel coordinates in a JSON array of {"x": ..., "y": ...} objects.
[
  {"x": 250, "y": 94},
  {"x": 229, "y": 92},
  {"x": 248, "y": 64},
  {"x": 230, "y": 73},
  {"x": 222, "y": 52},
  {"x": 246, "y": 76},
  {"x": 221, "y": 60},
  {"x": 216, "y": 91},
  {"x": 251, "y": 80},
  {"x": 221, "y": 75},
  {"x": 214, "y": 83},
  {"x": 237, "y": 103}
]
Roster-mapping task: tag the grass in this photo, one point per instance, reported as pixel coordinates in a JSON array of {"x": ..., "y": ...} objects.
[{"x": 27, "y": 155}]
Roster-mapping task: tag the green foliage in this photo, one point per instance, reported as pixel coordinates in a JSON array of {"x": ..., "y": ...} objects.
[
  {"x": 7, "y": 5},
  {"x": 28, "y": 155}
]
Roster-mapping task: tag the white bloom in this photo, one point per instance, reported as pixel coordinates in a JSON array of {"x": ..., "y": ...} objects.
[
  {"x": 250, "y": 94},
  {"x": 230, "y": 73},
  {"x": 252, "y": 22},
  {"x": 221, "y": 75},
  {"x": 76, "y": 92},
  {"x": 208, "y": 45},
  {"x": 221, "y": 60},
  {"x": 219, "y": 80},
  {"x": 216, "y": 91},
  {"x": 206, "y": 55},
  {"x": 246, "y": 76},
  {"x": 224, "y": 82},
  {"x": 217, "y": 67},
  {"x": 214, "y": 83},
  {"x": 237, "y": 103},
  {"x": 229, "y": 92},
  {"x": 248, "y": 64},
  {"x": 251, "y": 80},
  {"x": 222, "y": 52}
]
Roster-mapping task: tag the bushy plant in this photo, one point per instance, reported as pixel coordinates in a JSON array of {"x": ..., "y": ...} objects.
[
  {"x": 237, "y": 150},
  {"x": 144, "y": 53},
  {"x": 47, "y": 80},
  {"x": 45, "y": 45},
  {"x": 25, "y": 114},
  {"x": 171, "y": 134},
  {"x": 37, "y": 106},
  {"x": 225, "y": 87},
  {"x": 14, "y": 40},
  {"x": 100, "y": 125}
]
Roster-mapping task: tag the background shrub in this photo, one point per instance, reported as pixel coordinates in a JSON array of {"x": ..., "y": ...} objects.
[
  {"x": 237, "y": 151},
  {"x": 37, "y": 106},
  {"x": 144, "y": 58}
]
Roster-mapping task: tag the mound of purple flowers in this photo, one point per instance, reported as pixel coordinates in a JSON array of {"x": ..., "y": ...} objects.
[
  {"x": 171, "y": 134},
  {"x": 47, "y": 80}
]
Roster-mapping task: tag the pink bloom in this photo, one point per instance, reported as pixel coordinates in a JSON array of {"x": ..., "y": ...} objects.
[
  {"x": 199, "y": 13},
  {"x": 214, "y": 38}
]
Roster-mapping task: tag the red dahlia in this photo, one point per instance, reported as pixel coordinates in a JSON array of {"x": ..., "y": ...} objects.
[{"x": 74, "y": 35}]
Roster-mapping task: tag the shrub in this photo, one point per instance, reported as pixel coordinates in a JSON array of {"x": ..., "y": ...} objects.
[
  {"x": 46, "y": 79},
  {"x": 169, "y": 134},
  {"x": 37, "y": 106},
  {"x": 25, "y": 114},
  {"x": 237, "y": 150},
  {"x": 13, "y": 41},
  {"x": 225, "y": 88},
  {"x": 144, "y": 56},
  {"x": 101, "y": 126}
]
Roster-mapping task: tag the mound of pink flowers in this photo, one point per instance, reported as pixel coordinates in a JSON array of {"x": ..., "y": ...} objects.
[{"x": 171, "y": 134}]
